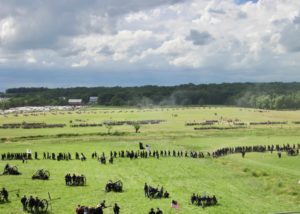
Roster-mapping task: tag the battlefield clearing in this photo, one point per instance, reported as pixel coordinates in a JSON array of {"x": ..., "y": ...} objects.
[{"x": 258, "y": 183}]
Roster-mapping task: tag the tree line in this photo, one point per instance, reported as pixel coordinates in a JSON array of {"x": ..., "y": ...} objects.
[{"x": 274, "y": 95}]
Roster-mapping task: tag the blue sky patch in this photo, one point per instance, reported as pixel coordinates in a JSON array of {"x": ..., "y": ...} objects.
[{"x": 245, "y": 1}]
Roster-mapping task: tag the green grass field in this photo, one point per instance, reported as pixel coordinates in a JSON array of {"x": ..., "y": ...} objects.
[{"x": 258, "y": 183}]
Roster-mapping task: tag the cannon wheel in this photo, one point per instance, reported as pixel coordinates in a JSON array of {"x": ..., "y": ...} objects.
[
  {"x": 84, "y": 180},
  {"x": 47, "y": 174},
  {"x": 15, "y": 168},
  {"x": 107, "y": 189},
  {"x": 43, "y": 205},
  {"x": 119, "y": 183}
]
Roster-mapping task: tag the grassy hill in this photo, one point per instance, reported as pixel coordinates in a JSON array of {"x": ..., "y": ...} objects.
[{"x": 258, "y": 183}]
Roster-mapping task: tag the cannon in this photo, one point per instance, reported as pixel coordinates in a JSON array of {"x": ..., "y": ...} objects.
[
  {"x": 114, "y": 186},
  {"x": 10, "y": 170},
  {"x": 154, "y": 193},
  {"x": 41, "y": 174}
]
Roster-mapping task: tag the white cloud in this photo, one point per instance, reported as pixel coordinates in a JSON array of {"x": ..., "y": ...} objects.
[
  {"x": 211, "y": 35},
  {"x": 82, "y": 63},
  {"x": 7, "y": 29},
  {"x": 30, "y": 58}
]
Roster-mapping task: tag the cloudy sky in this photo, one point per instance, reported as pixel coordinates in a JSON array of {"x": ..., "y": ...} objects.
[{"x": 136, "y": 42}]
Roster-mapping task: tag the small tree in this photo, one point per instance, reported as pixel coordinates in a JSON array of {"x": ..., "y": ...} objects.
[
  {"x": 108, "y": 127},
  {"x": 137, "y": 127}
]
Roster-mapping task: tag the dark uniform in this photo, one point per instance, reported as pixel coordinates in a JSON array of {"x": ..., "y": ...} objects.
[
  {"x": 152, "y": 211},
  {"x": 158, "y": 211},
  {"x": 116, "y": 209},
  {"x": 5, "y": 194},
  {"x": 23, "y": 201},
  {"x": 99, "y": 210}
]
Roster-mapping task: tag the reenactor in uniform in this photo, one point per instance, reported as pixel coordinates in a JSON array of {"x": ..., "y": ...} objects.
[
  {"x": 23, "y": 201},
  {"x": 4, "y": 192},
  {"x": 116, "y": 209},
  {"x": 31, "y": 203},
  {"x": 152, "y": 211},
  {"x": 159, "y": 211},
  {"x": 37, "y": 204},
  {"x": 146, "y": 190}
]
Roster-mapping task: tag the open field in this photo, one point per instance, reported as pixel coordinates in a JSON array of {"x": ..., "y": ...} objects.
[{"x": 258, "y": 183}]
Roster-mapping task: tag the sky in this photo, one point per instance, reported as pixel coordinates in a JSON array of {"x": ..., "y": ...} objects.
[{"x": 67, "y": 43}]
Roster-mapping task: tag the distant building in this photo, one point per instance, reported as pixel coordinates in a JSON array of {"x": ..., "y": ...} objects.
[
  {"x": 93, "y": 100},
  {"x": 75, "y": 102}
]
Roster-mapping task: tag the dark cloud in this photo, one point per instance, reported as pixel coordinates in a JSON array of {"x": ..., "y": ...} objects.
[
  {"x": 290, "y": 36},
  {"x": 106, "y": 51},
  {"x": 49, "y": 24},
  {"x": 217, "y": 11},
  {"x": 200, "y": 38}
]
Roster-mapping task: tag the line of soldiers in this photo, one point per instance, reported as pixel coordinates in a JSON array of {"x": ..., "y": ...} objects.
[
  {"x": 16, "y": 156},
  {"x": 291, "y": 150},
  {"x": 102, "y": 158},
  {"x": 63, "y": 156},
  {"x": 97, "y": 210},
  {"x": 32, "y": 204},
  {"x": 60, "y": 156},
  {"x": 204, "y": 200},
  {"x": 155, "y": 154},
  {"x": 75, "y": 180}
]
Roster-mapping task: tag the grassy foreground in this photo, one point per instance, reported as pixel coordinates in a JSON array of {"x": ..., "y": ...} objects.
[{"x": 259, "y": 183}]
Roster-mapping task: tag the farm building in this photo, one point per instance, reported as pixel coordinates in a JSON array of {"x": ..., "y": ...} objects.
[
  {"x": 75, "y": 102},
  {"x": 93, "y": 100}
]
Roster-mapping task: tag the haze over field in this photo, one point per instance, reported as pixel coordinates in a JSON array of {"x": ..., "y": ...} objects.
[{"x": 164, "y": 42}]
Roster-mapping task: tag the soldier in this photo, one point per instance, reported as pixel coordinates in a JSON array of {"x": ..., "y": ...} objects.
[
  {"x": 23, "y": 201},
  {"x": 37, "y": 204},
  {"x": 111, "y": 160},
  {"x": 159, "y": 211},
  {"x": 146, "y": 188},
  {"x": 4, "y": 192},
  {"x": 67, "y": 179},
  {"x": 214, "y": 200},
  {"x": 166, "y": 194},
  {"x": 103, "y": 204},
  {"x": 116, "y": 209},
  {"x": 31, "y": 203},
  {"x": 152, "y": 211},
  {"x": 36, "y": 156},
  {"x": 193, "y": 198},
  {"x": 99, "y": 209},
  {"x": 74, "y": 178},
  {"x": 279, "y": 154}
]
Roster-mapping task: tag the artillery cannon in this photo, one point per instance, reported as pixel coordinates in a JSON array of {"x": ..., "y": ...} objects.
[
  {"x": 10, "y": 170},
  {"x": 114, "y": 186},
  {"x": 41, "y": 174}
]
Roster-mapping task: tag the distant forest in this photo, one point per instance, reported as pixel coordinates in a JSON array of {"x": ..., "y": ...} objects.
[{"x": 274, "y": 95}]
